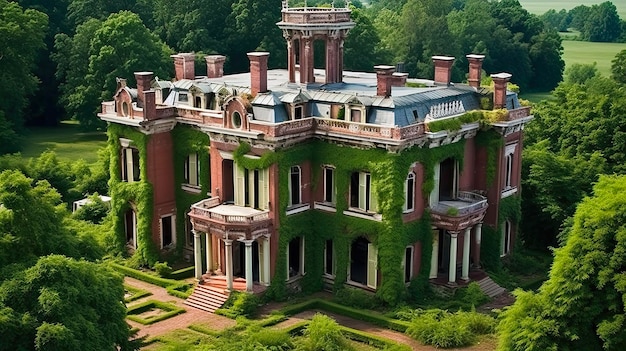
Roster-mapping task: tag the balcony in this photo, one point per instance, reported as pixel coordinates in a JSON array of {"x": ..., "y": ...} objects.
[
  {"x": 229, "y": 220},
  {"x": 466, "y": 210}
]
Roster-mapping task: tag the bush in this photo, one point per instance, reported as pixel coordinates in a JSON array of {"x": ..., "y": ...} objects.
[
  {"x": 239, "y": 304},
  {"x": 273, "y": 339},
  {"x": 472, "y": 295},
  {"x": 162, "y": 269},
  {"x": 443, "y": 329},
  {"x": 357, "y": 298},
  {"x": 323, "y": 333},
  {"x": 94, "y": 211}
]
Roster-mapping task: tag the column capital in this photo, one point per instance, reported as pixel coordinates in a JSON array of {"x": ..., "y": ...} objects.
[
  {"x": 247, "y": 242},
  {"x": 196, "y": 233},
  {"x": 228, "y": 242},
  {"x": 454, "y": 233}
]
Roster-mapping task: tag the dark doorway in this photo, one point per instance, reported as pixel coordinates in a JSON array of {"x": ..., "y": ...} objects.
[
  {"x": 228, "y": 182},
  {"x": 166, "y": 229},
  {"x": 239, "y": 264},
  {"x": 444, "y": 251},
  {"x": 358, "y": 260},
  {"x": 294, "y": 257},
  {"x": 447, "y": 179}
]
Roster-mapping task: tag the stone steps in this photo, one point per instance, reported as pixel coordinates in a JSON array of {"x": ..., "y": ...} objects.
[
  {"x": 490, "y": 288},
  {"x": 207, "y": 298}
]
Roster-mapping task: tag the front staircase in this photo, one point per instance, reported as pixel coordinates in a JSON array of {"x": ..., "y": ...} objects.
[
  {"x": 211, "y": 293},
  {"x": 490, "y": 288}
]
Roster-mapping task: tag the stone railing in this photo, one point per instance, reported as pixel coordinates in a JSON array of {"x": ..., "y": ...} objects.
[
  {"x": 315, "y": 15},
  {"x": 204, "y": 209},
  {"x": 294, "y": 127},
  {"x": 518, "y": 113},
  {"x": 472, "y": 202},
  {"x": 108, "y": 107},
  {"x": 354, "y": 128}
]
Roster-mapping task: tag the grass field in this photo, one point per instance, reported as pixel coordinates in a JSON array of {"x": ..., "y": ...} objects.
[
  {"x": 540, "y": 7},
  {"x": 587, "y": 52},
  {"x": 67, "y": 141}
]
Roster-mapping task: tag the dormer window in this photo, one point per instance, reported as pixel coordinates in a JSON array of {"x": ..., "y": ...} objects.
[
  {"x": 298, "y": 112},
  {"x": 183, "y": 97}
]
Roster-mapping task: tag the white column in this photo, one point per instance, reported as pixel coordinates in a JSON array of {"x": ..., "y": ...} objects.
[
  {"x": 266, "y": 261},
  {"x": 209, "y": 253},
  {"x": 453, "y": 250},
  {"x": 229, "y": 263},
  {"x": 478, "y": 233},
  {"x": 434, "y": 259},
  {"x": 466, "y": 254},
  {"x": 249, "y": 278},
  {"x": 219, "y": 271},
  {"x": 197, "y": 254}
]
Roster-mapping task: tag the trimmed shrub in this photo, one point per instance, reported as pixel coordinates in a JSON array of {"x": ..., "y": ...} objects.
[
  {"x": 472, "y": 295},
  {"x": 162, "y": 269},
  {"x": 323, "y": 333},
  {"x": 239, "y": 304},
  {"x": 273, "y": 339},
  {"x": 357, "y": 298},
  {"x": 443, "y": 329}
]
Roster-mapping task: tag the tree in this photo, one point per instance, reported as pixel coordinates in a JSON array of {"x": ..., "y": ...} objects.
[
  {"x": 580, "y": 73},
  {"x": 618, "y": 67},
  {"x": 582, "y": 305},
  {"x": 64, "y": 304},
  {"x": 602, "y": 24},
  {"x": 362, "y": 46},
  {"x": 117, "y": 47},
  {"x": 21, "y": 37}
]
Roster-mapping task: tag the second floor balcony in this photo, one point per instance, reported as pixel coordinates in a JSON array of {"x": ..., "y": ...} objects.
[
  {"x": 465, "y": 210},
  {"x": 229, "y": 220}
]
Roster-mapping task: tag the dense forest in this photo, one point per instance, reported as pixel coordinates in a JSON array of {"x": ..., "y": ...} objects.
[{"x": 74, "y": 49}]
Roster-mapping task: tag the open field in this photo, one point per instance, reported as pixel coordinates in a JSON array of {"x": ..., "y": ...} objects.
[
  {"x": 66, "y": 140},
  {"x": 587, "y": 52},
  {"x": 539, "y": 7}
]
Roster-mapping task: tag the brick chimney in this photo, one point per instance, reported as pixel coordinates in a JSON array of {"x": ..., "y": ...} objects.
[
  {"x": 384, "y": 79},
  {"x": 184, "y": 66},
  {"x": 443, "y": 69},
  {"x": 475, "y": 69},
  {"x": 215, "y": 66},
  {"x": 399, "y": 79},
  {"x": 258, "y": 71},
  {"x": 499, "y": 89},
  {"x": 149, "y": 104},
  {"x": 144, "y": 83}
]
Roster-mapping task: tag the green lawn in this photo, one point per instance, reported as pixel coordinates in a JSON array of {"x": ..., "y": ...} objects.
[
  {"x": 587, "y": 52},
  {"x": 540, "y": 7},
  {"x": 66, "y": 140}
]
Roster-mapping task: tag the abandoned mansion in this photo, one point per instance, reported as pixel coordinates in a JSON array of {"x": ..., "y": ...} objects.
[{"x": 303, "y": 178}]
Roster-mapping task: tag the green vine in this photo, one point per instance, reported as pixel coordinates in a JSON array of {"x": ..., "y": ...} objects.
[
  {"x": 486, "y": 118},
  {"x": 492, "y": 142},
  {"x": 137, "y": 195},
  {"x": 509, "y": 210},
  {"x": 187, "y": 140}
]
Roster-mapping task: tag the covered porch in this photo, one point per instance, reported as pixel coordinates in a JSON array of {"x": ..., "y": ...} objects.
[
  {"x": 236, "y": 245},
  {"x": 453, "y": 220}
]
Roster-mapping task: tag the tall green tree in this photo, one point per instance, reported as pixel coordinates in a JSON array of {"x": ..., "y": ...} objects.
[
  {"x": 618, "y": 67},
  {"x": 21, "y": 37},
  {"x": 64, "y": 304},
  {"x": 117, "y": 47},
  {"x": 582, "y": 306},
  {"x": 602, "y": 24},
  {"x": 362, "y": 49}
]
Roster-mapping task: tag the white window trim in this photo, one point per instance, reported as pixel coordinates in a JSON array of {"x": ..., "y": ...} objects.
[
  {"x": 509, "y": 154},
  {"x": 193, "y": 159},
  {"x": 411, "y": 273},
  {"x": 409, "y": 206},
  {"x": 291, "y": 185},
  {"x": 368, "y": 204},
  {"x": 333, "y": 190},
  {"x": 333, "y": 258},
  {"x": 504, "y": 250},
  {"x": 302, "y": 271},
  {"x": 173, "y": 228}
]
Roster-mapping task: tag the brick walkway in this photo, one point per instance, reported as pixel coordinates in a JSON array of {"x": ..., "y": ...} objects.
[
  {"x": 217, "y": 322},
  {"x": 181, "y": 321}
]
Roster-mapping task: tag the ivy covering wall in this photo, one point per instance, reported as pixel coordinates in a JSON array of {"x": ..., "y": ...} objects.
[
  {"x": 131, "y": 195},
  {"x": 510, "y": 209},
  {"x": 186, "y": 141}
]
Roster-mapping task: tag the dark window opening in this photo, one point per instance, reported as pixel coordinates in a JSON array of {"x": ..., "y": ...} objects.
[
  {"x": 166, "y": 229},
  {"x": 256, "y": 189},
  {"x": 444, "y": 251},
  {"x": 298, "y": 112},
  {"x": 228, "y": 181},
  {"x": 447, "y": 179},
  {"x": 410, "y": 191},
  {"x": 197, "y": 102},
  {"x": 136, "y": 174},
  {"x": 358, "y": 260},
  {"x": 354, "y": 189},
  {"x": 294, "y": 257},
  {"x": 329, "y": 186},
  {"x": 129, "y": 224},
  {"x": 294, "y": 178},
  {"x": 329, "y": 258},
  {"x": 408, "y": 262}
]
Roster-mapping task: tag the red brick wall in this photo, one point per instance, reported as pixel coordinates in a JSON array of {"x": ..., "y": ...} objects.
[{"x": 160, "y": 171}]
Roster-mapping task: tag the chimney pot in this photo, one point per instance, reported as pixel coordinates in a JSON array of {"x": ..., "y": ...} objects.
[
  {"x": 144, "y": 83},
  {"x": 184, "y": 65},
  {"x": 384, "y": 79},
  {"x": 500, "y": 81},
  {"x": 258, "y": 71},
  {"x": 215, "y": 66},
  {"x": 475, "y": 69},
  {"x": 443, "y": 69}
]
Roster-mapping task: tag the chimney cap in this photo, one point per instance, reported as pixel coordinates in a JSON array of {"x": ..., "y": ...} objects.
[
  {"x": 215, "y": 58},
  {"x": 143, "y": 74},
  {"x": 258, "y": 54},
  {"x": 185, "y": 55},
  {"x": 384, "y": 67},
  {"x": 475, "y": 56},
  {"x": 502, "y": 75},
  {"x": 400, "y": 74},
  {"x": 442, "y": 58}
]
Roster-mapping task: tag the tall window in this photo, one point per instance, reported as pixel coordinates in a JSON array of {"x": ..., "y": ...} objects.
[
  {"x": 192, "y": 170},
  {"x": 130, "y": 227},
  {"x": 130, "y": 165},
  {"x": 168, "y": 231},
  {"x": 329, "y": 185},
  {"x": 409, "y": 192},
  {"x": 407, "y": 264},
  {"x": 298, "y": 112},
  {"x": 251, "y": 188},
  {"x": 509, "y": 157},
  {"x": 362, "y": 194},
  {"x": 295, "y": 257},
  {"x": 329, "y": 258},
  {"x": 505, "y": 240},
  {"x": 295, "y": 185}
]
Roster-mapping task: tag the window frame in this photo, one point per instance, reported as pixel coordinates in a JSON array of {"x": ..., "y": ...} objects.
[
  {"x": 366, "y": 199},
  {"x": 188, "y": 169},
  {"x": 297, "y": 174},
  {"x": 409, "y": 192}
]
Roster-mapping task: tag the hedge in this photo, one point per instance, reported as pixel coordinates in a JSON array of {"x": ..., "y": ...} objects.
[
  {"x": 170, "y": 311},
  {"x": 173, "y": 287}
]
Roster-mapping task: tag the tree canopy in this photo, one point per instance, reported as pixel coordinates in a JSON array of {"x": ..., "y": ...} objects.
[{"x": 582, "y": 305}]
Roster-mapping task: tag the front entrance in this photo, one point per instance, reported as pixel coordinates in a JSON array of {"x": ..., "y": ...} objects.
[
  {"x": 443, "y": 262},
  {"x": 239, "y": 260}
]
